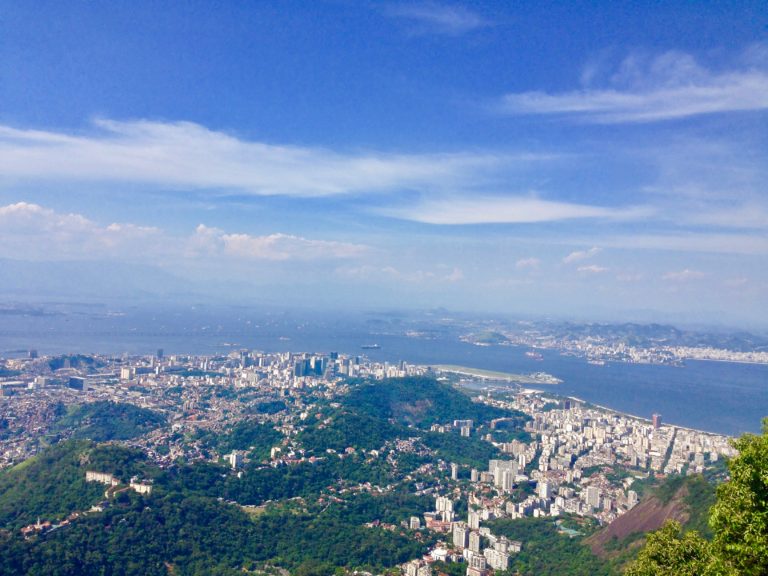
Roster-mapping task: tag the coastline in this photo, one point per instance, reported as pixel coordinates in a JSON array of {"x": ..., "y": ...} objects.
[
  {"x": 625, "y": 414},
  {"x": 644, "y": 419}
]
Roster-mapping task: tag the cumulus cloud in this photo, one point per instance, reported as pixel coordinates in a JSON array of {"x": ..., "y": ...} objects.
[
  {"x": 187, "y": 155},
  {"x": 650, "y": 89},
  {"x": 434, "y": 18},
  {"x": 579, "y": 255},
  {"x": 32, "y": 231},
  {"x": 527, "y": 263}
]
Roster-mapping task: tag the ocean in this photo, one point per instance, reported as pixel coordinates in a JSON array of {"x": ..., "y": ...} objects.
[{"x": 721, "y": 397}]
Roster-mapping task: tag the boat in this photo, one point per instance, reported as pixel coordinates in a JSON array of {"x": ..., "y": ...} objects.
[
  {"x": 370, "y": 347},
  {"x": 534, "y": 355}
]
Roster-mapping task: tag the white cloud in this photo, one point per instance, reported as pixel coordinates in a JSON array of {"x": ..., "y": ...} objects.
[
  {"x": 431, "y": 17},
  {"x": 30, "y": 231},
  {"x": 455, "y": 275},
  {"x": 514, "y": 209},
  {"x": 579, "y": 255},
  {"x": 591, "y": 269},
  {"x": 529, "y": 263},
  {"x": 666, "y": 87},
  {"x": 187, "y": 155},
  {"x": 685, "y": 275},
  {"x": 212, "y": 241}
]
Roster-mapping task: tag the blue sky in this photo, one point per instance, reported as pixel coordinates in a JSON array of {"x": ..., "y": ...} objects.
[{"x": 603, "y": 160}]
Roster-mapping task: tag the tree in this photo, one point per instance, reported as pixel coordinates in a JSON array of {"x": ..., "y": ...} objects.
[
  {"x": 670, "y": 552},
  {"x": 739, "y": 519}
]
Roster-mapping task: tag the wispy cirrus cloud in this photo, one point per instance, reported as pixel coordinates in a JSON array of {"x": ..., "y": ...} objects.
[
  {"x": 507, "y": 210},
  {"x": 651, "y": 89},
  {"x": 437, "y": 18},
  {"x": 591, "y": 269},
  {"x": 189, "y": 156},
  {"x": 215, "y": 242}
]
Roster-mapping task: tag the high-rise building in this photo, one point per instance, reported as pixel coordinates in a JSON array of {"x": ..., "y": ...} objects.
[
  {"x": 235, "y": 459},
  {"x": 656, "y": 421},
  {"x": 417, "y": 568},
  {"x": 474, "y": 542},
  {"x": 461, "y": 535},
  {"x": 499, "y": 467},
  {"x": 497, "y": 559},
  {"x": 454, "y": 471},
  {"x": 508, "y": 479},
  {"x": 593, "y": 496},
  {"x": 444, "y": 507},
  {"x": 478, "y": 566}
]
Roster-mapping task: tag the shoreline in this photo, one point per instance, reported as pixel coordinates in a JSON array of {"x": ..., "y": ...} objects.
[{"x": 626, "y": 414}]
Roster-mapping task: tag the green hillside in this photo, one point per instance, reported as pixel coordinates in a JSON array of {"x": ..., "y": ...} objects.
[
  {"x": 418, "y": 401},
  {"x": 52, "y": 484},
  {"x": 255, "y": 438},
  {"x": 104, "y": 420}
]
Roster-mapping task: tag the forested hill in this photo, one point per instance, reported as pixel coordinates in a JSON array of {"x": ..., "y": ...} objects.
[
  {"x": 105, "y": 420},
  {"x": 418, "y": 401},
  {"x": 52, "y": 484}
]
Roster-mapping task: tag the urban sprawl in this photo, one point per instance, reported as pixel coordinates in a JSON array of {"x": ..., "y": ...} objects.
[{"x": 566, "y": 465}]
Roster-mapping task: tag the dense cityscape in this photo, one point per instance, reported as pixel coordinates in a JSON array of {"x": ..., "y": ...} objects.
[{"x": 564, "y": 458}]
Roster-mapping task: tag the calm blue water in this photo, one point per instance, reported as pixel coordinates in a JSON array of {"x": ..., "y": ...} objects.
[{"x": 721, "y": 397}]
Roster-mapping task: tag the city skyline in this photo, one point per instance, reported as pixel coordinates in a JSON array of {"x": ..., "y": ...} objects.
[{"x": 558, "y": 159}]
